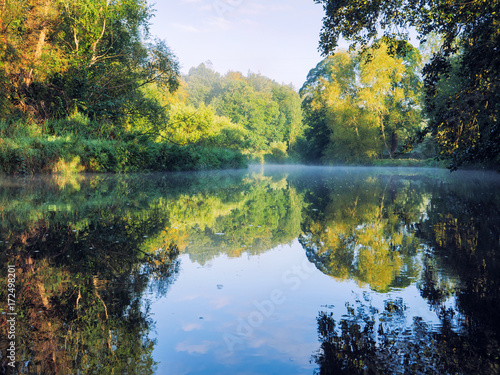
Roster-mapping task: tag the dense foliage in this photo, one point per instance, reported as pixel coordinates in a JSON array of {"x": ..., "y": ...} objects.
[
  {"x": 266, "y": 113},
  {"x": 360, "y": 106},
  {"x": 84, "y": 86},
  {"x": 92, "y": 56},
  {"x": 461, "y": 79}
]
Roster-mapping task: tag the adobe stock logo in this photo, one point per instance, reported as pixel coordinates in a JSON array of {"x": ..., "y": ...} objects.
[
  {"x": 221, "y": 7},
  {"x": 292, "y": 280}
]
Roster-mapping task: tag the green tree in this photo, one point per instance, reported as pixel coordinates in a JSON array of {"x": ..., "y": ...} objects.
[
  {"x": 363, "y": 104},
  {"x": 188, "y": 125},
  {"x": 254, "y": 110},
  {"x": 84, "y": 55},
  {"x": 289, "y": 103},
  {"x": 465, "y": 123},
  {"x": 203, "y": 84},
  {"x": 314, "y": 108},
  {"x": 269, "y": 112}
]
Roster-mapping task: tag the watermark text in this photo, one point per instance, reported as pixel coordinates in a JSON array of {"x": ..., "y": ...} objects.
[
  {"x": 264, "y": 309},
  {"x": 221, "y": 7},
  {"x": 11, "y": 316}
]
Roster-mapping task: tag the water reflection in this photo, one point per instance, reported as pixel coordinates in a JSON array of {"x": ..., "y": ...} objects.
[
  {"x": 82, "y": 269},
  {"x": 366, "y": 229},
  {"x": 95, "y": 255},
  {"x": 442, "y": 234},
  {"x": 88, "y": 251}
]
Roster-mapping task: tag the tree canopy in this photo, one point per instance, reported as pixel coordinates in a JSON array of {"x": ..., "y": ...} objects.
[
  {"x": 358, "y": 106},
  {"x": 92, "y": 56},
  {"x": 465, "y": 121},
  {"x": 269, "y": 113}
]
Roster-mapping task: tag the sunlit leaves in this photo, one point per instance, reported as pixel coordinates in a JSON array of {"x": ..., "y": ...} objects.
[
  {"x": 188, "y": 125},
  {"x": 91, "y": 56},
  {"x": 364, "y": 103},
  {"x": 268, "y": 112},
  {"x": 464, "y": 124}
]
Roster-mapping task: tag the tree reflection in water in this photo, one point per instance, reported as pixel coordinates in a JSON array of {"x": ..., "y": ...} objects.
[
  {"x": 87, "y": 252},
  {"x": 459, "y": 277},
  {"x": 369, "y": 341},
  {"x": 366, "y": 230},
  {"x": 81, "y": 296}
]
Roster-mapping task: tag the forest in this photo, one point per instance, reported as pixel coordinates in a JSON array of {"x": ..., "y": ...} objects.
[{"x": 86, "y": 87}]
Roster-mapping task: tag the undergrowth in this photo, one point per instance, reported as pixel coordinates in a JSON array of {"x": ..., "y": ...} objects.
[{"x": 74, "y": 146}]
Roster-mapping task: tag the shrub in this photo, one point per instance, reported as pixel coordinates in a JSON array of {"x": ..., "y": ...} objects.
[
  {"x": 77, "y": 144},
  {"x": 277, "y": 153}
]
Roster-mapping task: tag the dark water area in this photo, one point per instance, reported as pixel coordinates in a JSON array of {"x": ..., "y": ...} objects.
[{"x": 270, "y": 270}]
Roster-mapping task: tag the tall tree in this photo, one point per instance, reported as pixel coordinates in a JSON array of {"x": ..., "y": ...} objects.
[
  {"x": 203, "y": 84},
  {"x": 362, "y": 104},
  {"x": 269, "y": 112},
  {"x": 290, "y": 119},
  {"x": 465, "y": 125},
  {"x": 88, "y": 55}
]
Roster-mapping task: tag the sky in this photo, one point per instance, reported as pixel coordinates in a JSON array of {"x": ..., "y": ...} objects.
[{"x": 276, "y": 38}]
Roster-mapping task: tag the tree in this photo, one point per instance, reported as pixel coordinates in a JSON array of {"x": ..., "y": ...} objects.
[
  {"x": 188, "y": 125},
  {"x": 270, "y": 113},
  {"x": 25, "y": 54},
  {"x": 110, "y": 61},
  {"x": 362, "y": 104},
  {"x": 203, "y": 84},
  {"x": 90, "y": 56},
  {"x": 315, "y": 111},
  {"x": 465, "y": 124},
  {"x": 289, "y": 103}
]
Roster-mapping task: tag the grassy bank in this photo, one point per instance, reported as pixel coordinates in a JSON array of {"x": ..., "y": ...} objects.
[{"x": 51, "y": 154}]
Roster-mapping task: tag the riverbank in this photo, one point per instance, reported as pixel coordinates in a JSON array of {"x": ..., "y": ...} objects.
[{"x": 50, "y": 154}]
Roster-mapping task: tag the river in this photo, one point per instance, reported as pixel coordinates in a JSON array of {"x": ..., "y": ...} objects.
[{"x": 270, "y": 270}]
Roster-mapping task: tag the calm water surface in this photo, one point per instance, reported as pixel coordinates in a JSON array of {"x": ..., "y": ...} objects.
[{"x": 275, "y": 270}]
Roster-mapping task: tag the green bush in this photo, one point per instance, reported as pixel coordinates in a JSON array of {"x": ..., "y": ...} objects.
[
  {"x": 66, "y": 155},
  {"x": 18, "y": 129},
  {"x": 79, "y": 125},
  {"x": 277, "y": 153}
]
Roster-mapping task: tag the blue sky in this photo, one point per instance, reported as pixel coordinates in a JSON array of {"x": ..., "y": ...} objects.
[{"x": 277, "y": 38}]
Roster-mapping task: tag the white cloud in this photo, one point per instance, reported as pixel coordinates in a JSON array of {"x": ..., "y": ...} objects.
[
  {"x": 219, "y": 23},
  {"x": 194, "y": 348},
  {"x": 188, "y": 327},
  {"x": 186, "y": 27}
]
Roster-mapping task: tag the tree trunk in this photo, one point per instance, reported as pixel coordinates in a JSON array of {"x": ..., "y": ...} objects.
[
  {"x": 44, "y": 26},
  {"x": 384, "y": 138},
  {"x": 394, "y": 142}
]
